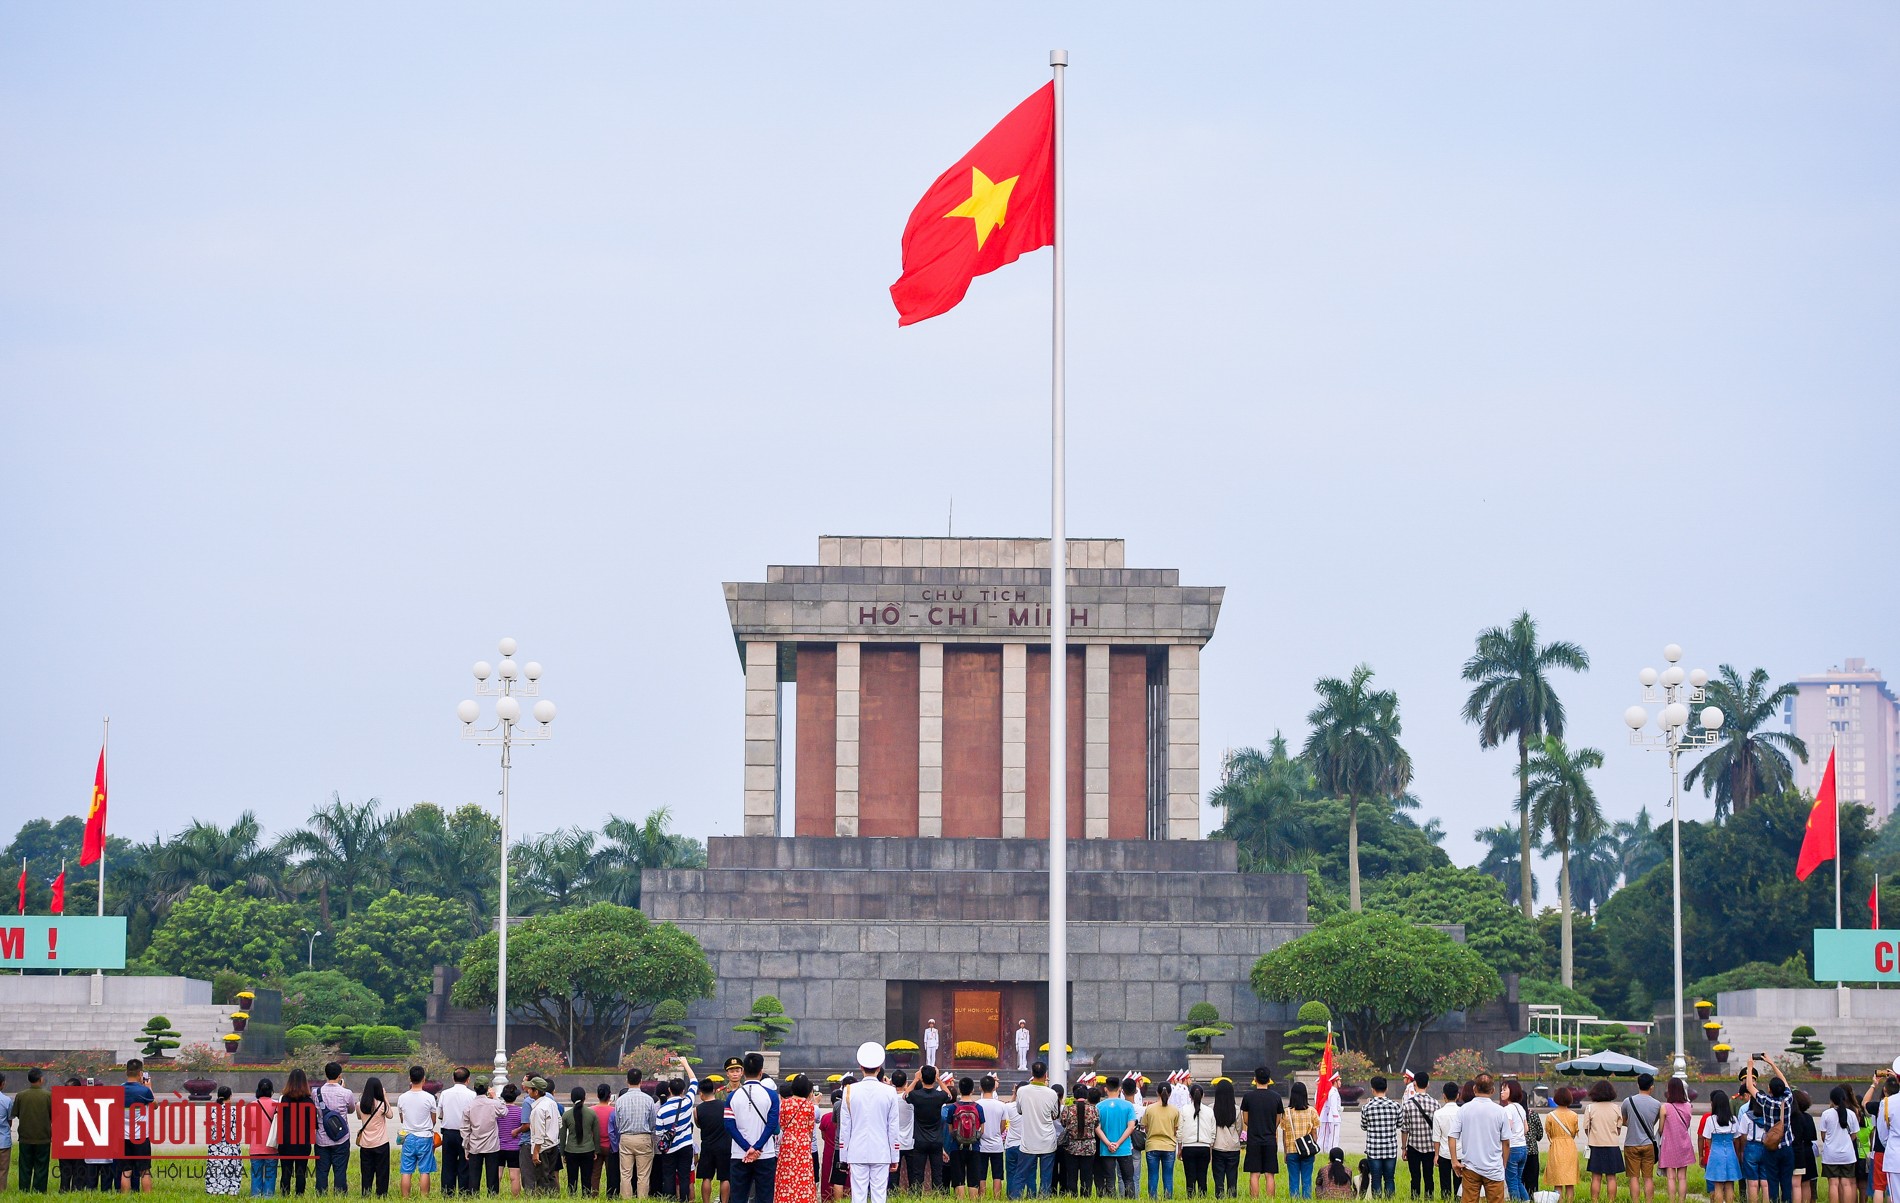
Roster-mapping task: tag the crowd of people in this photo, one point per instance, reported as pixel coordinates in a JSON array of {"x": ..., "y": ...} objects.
[{"x": 743, "y": 1137}]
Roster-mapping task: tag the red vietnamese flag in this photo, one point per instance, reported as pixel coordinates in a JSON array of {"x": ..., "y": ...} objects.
[
  {"x": 23, "y": 885},
  {"x": 1817, "y": 846},
  {"x": 59, "y": 892},
  {"x": 1873, "y": 902},
  {"x": 1328, "y": 1076},
  {"x": 94, "y": 846},
  {"x": 995, "y": 205}
]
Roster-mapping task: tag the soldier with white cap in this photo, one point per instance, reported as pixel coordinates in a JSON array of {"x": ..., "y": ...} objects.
[
  {"x": 867, "y": 1128},
  {"x": 931, "y": 1039},
  {"x": 1022, "y": 1044}
]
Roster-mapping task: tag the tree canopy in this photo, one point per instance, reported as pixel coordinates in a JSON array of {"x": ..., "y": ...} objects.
[
  {"x": 1741, "y": 902},
  {"x": 1383, "y": 977},
  {"x": 597, "y": 972},
  {"x": 394, "y": 944},
  {"x": 1494, "y": 929},
  {"x": 317, "y": 996},
  {"x": 208, "y": 931}
]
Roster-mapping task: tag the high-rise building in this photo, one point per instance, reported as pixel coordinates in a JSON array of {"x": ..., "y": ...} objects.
[{"x": 1851, "y": 710}]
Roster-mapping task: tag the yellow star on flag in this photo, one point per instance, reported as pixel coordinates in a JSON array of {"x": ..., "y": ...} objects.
[{"x": 988, "y": 204}]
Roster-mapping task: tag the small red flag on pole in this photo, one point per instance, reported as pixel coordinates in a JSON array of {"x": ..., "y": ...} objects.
[
  {"x": 94, "y": 846},
  {"x": 1818, "y": 845},
  {"x": 23, "y": 885},
  {"x": 1328, "y": 1076},
  {"x": 1873, "y": 901},
  {"x": 59, "y": 890}
]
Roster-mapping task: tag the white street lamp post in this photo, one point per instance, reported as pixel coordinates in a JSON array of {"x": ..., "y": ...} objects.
[
  {"x": 310, "y": 955},
  {"x": 1677, "y": 691},
  {"x": 510, "y": 683}
]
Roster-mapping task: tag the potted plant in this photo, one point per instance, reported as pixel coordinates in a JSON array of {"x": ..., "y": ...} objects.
[
  {"x": 1712, "y": 1030},
  {"x": 903, "y": 1053},
  {"x": 1202, "y": 1027},
  {"x": 769, "y": 1023},
  {"x": 1721, "y": 1052},
  {"x": 1704, "y": 1009},
  {"x": 200, "y": 1060},
  {"x": 157, "y": 1038},
  {"x": 239, "y": 1019}
]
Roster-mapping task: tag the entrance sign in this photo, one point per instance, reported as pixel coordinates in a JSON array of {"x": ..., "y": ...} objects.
[
  {"x": 62, "y": 942},
  {"x": 1856, "y": 955}
]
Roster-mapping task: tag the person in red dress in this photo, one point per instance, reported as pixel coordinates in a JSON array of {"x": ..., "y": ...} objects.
[{"x": 798, "y": 1120}]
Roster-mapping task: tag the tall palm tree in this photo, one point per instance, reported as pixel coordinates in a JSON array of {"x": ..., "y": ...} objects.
[
  {"x": 558, "y": 870},
  {"x": 1637, "y": 846},
  {"x": 1256, "y": 794},
  {"x": 1565, "y": 805},
  {"x": 1514, "y": 698},
  {"x": 1500, "y": 859},
  {"x": 633, "y": 846},
  {"x": 450, "y": 856},
  {"x": 1596, "y": 868},
  {"x": 210, "y": 855},
  {"x": 344, "y": 849},
  {"x": 1749, "y": 762},
  {"x": 1355, "y": 752}
]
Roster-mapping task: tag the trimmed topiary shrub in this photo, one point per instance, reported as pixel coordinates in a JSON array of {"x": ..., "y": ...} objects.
[{"x": 768, "y": 1020}]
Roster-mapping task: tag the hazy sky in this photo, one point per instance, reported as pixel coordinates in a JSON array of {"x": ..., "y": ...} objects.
[{"x": 337, "y": 341}]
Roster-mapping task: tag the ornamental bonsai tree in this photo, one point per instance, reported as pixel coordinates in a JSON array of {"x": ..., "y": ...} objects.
[
  {"x": 768, "y": 1020},
  {"x": 668, "y": 1028},
  {"x": 1203, "y": 1025},
  {"x": 1307, "y": 1043},
  {"x": 156, "y": 1038},
  {"x": 1802, "y": 1043}
]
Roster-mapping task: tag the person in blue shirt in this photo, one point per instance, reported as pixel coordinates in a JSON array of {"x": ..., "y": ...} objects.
[
  {"x": 1115, "y": 1129},
  {"x": 6, "y": 1133},
  {"x": 137, "y": 1159}
]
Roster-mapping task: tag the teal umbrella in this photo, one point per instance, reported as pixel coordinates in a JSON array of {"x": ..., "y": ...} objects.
[{"x": 1534, "y": 1045}]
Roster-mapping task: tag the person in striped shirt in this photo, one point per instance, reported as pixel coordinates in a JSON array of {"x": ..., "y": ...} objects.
[{"x": 673, "y": 1134}]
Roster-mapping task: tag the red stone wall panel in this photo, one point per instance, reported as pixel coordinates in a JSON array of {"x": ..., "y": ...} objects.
[
  {"x": 815, "y": 795},
  {"x": 887, "y": 740},
  {"x": 1127, "y": 743},
  {"x": 972, "y": 741},
  {"x": 1036, "y": 678}
]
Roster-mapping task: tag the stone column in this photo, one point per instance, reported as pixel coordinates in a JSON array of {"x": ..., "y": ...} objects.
[
  {"x": 930, "y": 739},
  {"x": 1015, "y": 740},
  {"x": 1184, "y": 743},
  {"x": 847, "y": 812},
  {"x": 1095, "y": 742},
  {"x": 761, "y": 739}
]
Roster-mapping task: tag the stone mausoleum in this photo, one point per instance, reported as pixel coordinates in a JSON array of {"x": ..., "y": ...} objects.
[{"x": 900, "y": 875}]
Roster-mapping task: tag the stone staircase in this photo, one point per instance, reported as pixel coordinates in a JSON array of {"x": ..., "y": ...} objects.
[
  {"x": 42, "y": 1016},
  {"x": 1757, "y": 1020},
  {"x": 59, "y": 1027}
]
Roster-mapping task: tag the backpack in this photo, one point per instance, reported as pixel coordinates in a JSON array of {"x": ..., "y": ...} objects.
[
  {"x": 335, "y": 1125},
  {"x": 966, "y": 1123}
]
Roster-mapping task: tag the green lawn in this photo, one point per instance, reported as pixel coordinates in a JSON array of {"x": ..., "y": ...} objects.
[{"x": 185, "y": 1180}]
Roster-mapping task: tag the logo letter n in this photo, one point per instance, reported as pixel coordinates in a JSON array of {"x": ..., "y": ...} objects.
[{"x": 86, "y": 1121}]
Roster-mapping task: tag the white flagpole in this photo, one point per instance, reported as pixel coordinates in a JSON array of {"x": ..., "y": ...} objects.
[
  {"x": 103, "y": 740},
  {"x": 1058, "y": 643}
]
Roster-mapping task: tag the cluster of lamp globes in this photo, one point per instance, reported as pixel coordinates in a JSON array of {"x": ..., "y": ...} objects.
[
  {"x": 507, "y": 708},
  {"x": 1674, "y": 715}
]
